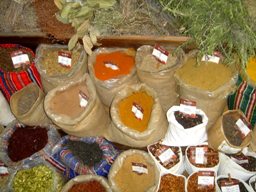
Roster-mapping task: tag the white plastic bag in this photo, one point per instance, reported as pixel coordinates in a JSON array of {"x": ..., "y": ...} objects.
[{"x": 6, "y": 115}]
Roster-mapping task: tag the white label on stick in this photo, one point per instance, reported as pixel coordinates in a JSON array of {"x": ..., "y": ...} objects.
[
  {"x": 242, "y": 127},
  {"x": 139, "y": 168},
  {"x": 83, "y": 98},
  {"x": 19, "y": 58},
  {"x": 3, "y": 170},
  {"x": 188, "y": 107},
  {"x": 166, "y": 155},
  {"x": 211, "y": 58},
  {"x": 64, "y": 58},
  {"x": 111, "y": 66},
  {"x": 160, "y": 53},
  {"x": 137, "y": 111},
  {"x": 200, "y": 155},
  {"x": 206, "y": 180},
  {"x": 232, "y": 188}
]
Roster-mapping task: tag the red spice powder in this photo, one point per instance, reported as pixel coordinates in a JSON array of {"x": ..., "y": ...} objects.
[
  {"x": 26, "y": 141},
  {"x": 90, "y": 186}
]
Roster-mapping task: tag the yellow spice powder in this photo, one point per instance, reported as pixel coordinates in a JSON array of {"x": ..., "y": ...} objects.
[
  {"x": 251, "y": 69},
  {"x": 128, "y": 118},
  {"x": 207, "y": 75}
]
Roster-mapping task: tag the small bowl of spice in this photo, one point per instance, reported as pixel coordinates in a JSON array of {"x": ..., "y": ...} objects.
[
  {"x": 88, "y": 183},
  {"x": 172, "y": 183}
]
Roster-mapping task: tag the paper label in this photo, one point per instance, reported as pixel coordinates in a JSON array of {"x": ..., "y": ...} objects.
[
  {"x": 19, "y": 58},
  {"x": 206, "y": 178},
  {"x": 211, "y": 58},
  {"x": 111, "y": 65},
  {"x": 243, "y": 127},
  {"x": 167, "y": 155},
  {"x": 188, "y": 107},
  {"x": 200, "y": 152},
  {"x": 137, "y": 111},
  {"x": 160, "y": 54},
  {"x": 64, "y": 58},
  {"x": 230, "y": 187},
  {"x": 139, "y": 168},
  {"x": 3, "y": 171},
  {"x": 83, "y": 98}
]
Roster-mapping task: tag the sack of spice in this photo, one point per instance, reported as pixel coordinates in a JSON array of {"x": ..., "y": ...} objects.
[
  {"x": 201, "y": 158},
  {"x": 239, "y": 165},
  {"x": 231, "y": 133},
  {"x": 4, "y": 177},
  {"x": 58, "y": 66},
  {"x": 172, "y": 183},
  {"x": 230, "y": 183},
  {"x": 27, "y": 106},
  {"x": 137, "y": 117},
  {"x": 6, "y": 115},
  {"x": 134, "y": 170},
  {"x": 185, "y": 130},
  {"x": 88, "y": 155},
  {"x": 252, "y": 182},
  {"x": 21, "y": 144},
  {"x": 201, "y": 181},
  {"x": 168, "y": 159},
  {"x": 111, "y": 70},
  {"x": 159, "y": 74},
  {"x": 88, "y": 183},
  {"x": 207, "y": 83},
  {"x": 17, "y": 69},
  {"x": 76, "y": 108},
  {"x": 36, "y": 176},
  {"x": 252, "y": 145}
]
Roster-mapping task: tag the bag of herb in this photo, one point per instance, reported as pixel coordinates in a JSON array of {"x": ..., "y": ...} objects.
[
  {"x": 134, "y": 170},
  {"x": 239, "y": 165},
  {"x": 17, "y": 69},
  {"x": 184, "y": 129},
  {"x": 159, "y": 74},
  {"x": 27, "y": 106},
  {"x": 201, "y": 158},
  {"x": 172, "y": 183},
  {"x": 231, "y": 133},
  {"x": 76, "y": 108},
  {"x": 21, "y": 144},
  {"x": 137, "y": 117},
  {"x": 58, "y": 66},
  {"x": 6, "y": 115},
  {"x": 168, "y": 159},
  {"x": 111, "y": 70},
  {"x": 37, "y": 175},
  {"x": 231, "y": 183},
  {"x": 87, "y": 183},
  {"x": 252, "y": 182},
  {"x": 207, "y": 83},
  {"x": 87, "y": 155},
  {"x": 252, "y": 145}
]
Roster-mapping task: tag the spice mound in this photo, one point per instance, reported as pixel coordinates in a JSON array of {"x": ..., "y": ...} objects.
[
  {"x": 52, "y": 65},
  {"x": 202, "y": 156},
  {"x": 89, "y": 186},
  {"x": 204, "y": 75},
  {"x": 135, "y": 110},
  {"x": 67, "y": 101},
  {"x": 88, "y": 153},
  {"x": 39, "y": 178},
  {"x": 113, "y": 65},
  {"x": 167, "y": 156},
  {"x": 231, "y": 183},
  {"x": 201, "y": 182},
  {"x": 247, "y": 162},
  {"x": 172, "y": 183},
  {"x": 187, "y": 121},
  {"x": 25, "y": 141},
  {"x": 135, "y": 174}
]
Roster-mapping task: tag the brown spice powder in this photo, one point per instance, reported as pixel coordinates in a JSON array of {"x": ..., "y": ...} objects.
[
  {"x": 67, "y": 102},
  {"x": 172, "y": 183},
  {"x": 129, "y": 181}
]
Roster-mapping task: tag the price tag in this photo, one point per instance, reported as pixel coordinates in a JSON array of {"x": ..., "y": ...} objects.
[
  {"x": 137, "y": 111},
  {"x": 230, "y": 186},
  {"x": 200, "y": 152},
  {"x": 19, "y": 58},
  {"x": 167, "y": 155},
  {"x": 160, "y": 54},
  {"x": 111, "y": 65},
  {"x": 243, "y": 127},
  {"x": 83, "y": 98},
  {"x": 188, "y": 107},
  {"x": 139, "y": 168},
  {"x": 3, "y": 169},
  {"x": 211, "y": 58},
  {"x": 64, "y": 58},
  {"x": 206, "y": 178}
]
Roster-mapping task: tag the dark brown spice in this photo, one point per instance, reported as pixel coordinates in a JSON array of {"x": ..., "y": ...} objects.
[
  {"x": 187, "y": 121},
  {"x": 247, "y": 162}
]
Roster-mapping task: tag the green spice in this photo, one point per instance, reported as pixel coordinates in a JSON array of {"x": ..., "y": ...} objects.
[{"x": 39, "y": 179}]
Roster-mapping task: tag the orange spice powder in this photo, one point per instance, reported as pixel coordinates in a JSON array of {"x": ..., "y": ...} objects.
[{"x": 112, "y": 65}]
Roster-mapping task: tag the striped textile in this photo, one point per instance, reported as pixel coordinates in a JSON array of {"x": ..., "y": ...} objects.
[
  {"x": 244, "y": 99},
  {"x": 10, "y": 82},
  {"x": 74, "y": 167}
]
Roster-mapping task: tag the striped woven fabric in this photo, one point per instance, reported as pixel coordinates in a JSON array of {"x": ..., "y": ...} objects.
[
  {"x": 10, "y": 82},
  {"x": 244, "y": 99}
]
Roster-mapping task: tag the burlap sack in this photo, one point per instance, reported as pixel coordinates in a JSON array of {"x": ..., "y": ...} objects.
[
  {"x": 122, "y": 134},
  {"x": 94, "y": 120},
  {"x": 119, "y": 162},
  {"x": 27, "y": 106},
  {"x": 109, "y": 88},
  {"x": 218, "y": 140},
  {"x": 86, "y": 178},
  {"x": 50, "y": 82},
  {"x": 211, "y": 102},
  {"x": 161, "y": 80},
  {"x": 252, "y": 145}
]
